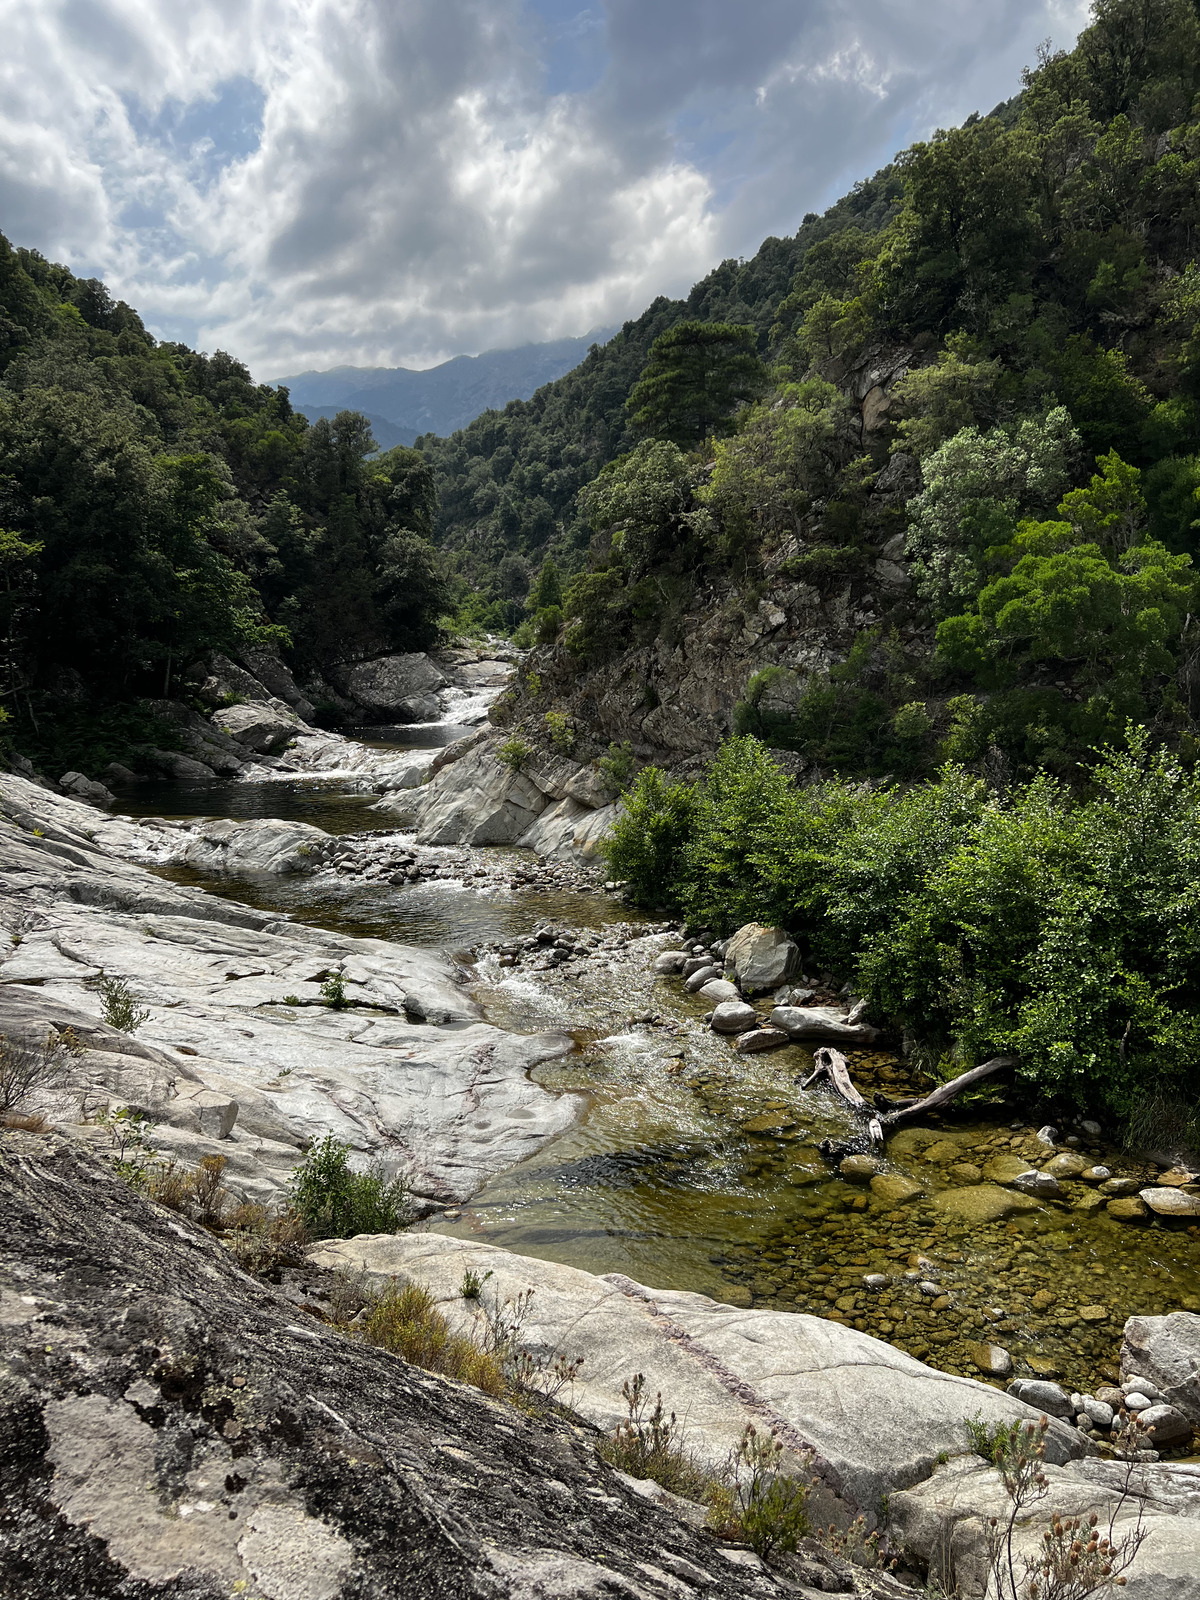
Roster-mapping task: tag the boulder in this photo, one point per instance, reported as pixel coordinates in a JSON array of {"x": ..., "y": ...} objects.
[
  {"x": 695, "y": 981},
  {"x": 1166, "y": 1350},
  {"x": 1043, "y": 1184},
  {"x": 821, "y": 1022},
  {"x": 945, "y": 1520},
  {"x": 183, "y": 769},
  {"x": 859, "y": 1168},
  {"x": 992, "y": 1359},
  {"x": 87, "y": 790},
  {"x": 263, "y": 728},
  {"x": 670, "y": 962},
  {"x": 983, "y": 1202},
  {"x": 733, "y": 1016},
  {"x": 478, "y": 800},
  {"x": 759, "y": 1039},
  {"x": 718, "y": 990},
  {"x": 1043, "y": 1396},
  {"x": 759, "y": 958},
  {"x": 261, "y": 844},
  {"x": 1170, "y": 1426},
  {"x": 876, "y": 1416},
  {"x": 894, "y": 1189},
  {"x": 1171, "y": 1202},
  {"x": 385, "y": 687},
  {"x": 1066, "y": 1165}
]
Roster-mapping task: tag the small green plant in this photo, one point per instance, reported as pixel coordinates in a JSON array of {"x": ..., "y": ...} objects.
[
  {"x": 291, "y": 1000},
  {"x": 472, "y": 1283},
  {"x": 769, "y": 1507},
  {"x": 649, "y": 1444},
  {"x": 335, "y": 1202},
  {"x": 515, "y": 753},
  {"x": 533, "y": 682},
  {"x": 120, "y": 1009},
  {"x": 561, "y": 730},
  {"x": 132, "y": 1155},
  {"x": 333, "y": 992},
  {"x": 617, "y": 767}
]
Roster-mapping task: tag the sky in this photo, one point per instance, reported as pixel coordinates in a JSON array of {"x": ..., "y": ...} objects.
[{"x": 310, "y": 183}]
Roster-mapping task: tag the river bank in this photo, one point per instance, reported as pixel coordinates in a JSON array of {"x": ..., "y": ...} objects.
[{"x": 548, "y": 1092}]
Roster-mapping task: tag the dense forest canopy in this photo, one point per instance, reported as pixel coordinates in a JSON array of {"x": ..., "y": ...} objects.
[
  {"x": 1024, "y": 288},
  {"x": 155, "y": 504}
]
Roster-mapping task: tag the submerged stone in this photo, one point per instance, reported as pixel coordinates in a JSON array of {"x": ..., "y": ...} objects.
[
  {"x": 983, "y": 1202},
  {"x": 892, "y": 1188},
  {"x": 993, "y": 1359}
]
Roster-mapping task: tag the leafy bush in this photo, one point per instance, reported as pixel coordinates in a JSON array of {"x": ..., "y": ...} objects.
[
  {"x": 645, "y": 847},
  {"x": 515, "y": 753},
  {"x": 616, "y": 768},
  {"x": 561, "y": 730},
  {"x": 120, "y": 1010},
  {"x": 335, "y": 1202},
  {"x": 1030, "y": 923}
]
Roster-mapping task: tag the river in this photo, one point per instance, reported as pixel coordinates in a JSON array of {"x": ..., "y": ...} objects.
[{"x": 694, "y": 1168}]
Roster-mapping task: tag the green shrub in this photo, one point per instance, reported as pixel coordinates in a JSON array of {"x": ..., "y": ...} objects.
[
  {"x": 515, "y": 753},
  {"x": 561, "y": 730},
  {"x": 616, "y": 768},
  {"x": 335, "y": 1202},
  {"x": 646, "y": 845},
  {"x": 333, "y": 992},
  {"x": 1031, "y": 923},
  {"x": 120, "y": 1009}
]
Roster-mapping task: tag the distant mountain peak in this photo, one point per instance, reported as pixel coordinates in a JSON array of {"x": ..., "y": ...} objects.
[{"x": 403, "y": 402}]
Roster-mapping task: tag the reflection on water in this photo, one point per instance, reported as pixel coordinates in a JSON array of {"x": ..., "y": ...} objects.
[
  {"x": 409, "y": 736},
  {"x": 330, "y": 803}
]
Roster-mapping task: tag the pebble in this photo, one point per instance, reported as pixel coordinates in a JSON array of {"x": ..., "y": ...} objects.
[
  {"x": 1135, "y": 1401},
  {"x": 1042, "y": 1395},
  {"x": 875, "y": 1280}
]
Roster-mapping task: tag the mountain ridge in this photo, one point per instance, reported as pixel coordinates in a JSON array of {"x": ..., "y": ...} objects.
[{"x": 439, "y": 399}]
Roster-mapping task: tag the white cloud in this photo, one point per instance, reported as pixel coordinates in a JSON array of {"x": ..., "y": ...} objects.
[{"x": 310, "y": 182}]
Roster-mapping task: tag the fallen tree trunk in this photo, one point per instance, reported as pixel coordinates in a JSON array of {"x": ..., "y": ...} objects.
[
  {"x": 832, "y": 1064},
  {"x": 945, "y": 1092}
]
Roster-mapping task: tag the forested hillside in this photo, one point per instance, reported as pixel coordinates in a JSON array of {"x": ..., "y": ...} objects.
[
  {"x": 155, "y": 504},
  {"x": 507, "y": 483},
  {"x": 975, "y": 446}
]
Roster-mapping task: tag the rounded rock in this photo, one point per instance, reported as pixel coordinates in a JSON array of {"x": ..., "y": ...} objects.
[
  {"x": 733, "y": 1016},
  {"x": 1170, "y": 1426}
]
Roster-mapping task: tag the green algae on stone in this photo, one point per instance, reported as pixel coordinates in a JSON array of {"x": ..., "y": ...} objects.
[
  {"x": 983, "y": 1202},
  {"x": 893, "y": 1189},
  {"x": 1005, "y": 1168}
]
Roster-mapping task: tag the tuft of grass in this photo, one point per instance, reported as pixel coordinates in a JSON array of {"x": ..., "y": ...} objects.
[
  {"x": 472, "y": 1283},
  {"x": 405, "y": 1320},
  {"x": 649, "y": 1444}
]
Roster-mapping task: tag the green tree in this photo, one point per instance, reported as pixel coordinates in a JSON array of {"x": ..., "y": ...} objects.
[{"x": 697, "y": 375}]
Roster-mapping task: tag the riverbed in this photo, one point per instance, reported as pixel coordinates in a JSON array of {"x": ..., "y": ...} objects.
[{"x": 694, "y": 1168}]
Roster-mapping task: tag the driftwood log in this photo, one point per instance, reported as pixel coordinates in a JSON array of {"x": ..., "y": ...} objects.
[{"x": 832, "y": 1064}]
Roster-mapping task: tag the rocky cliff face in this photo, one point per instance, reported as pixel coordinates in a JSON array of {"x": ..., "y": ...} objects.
[{"x": 673, "y": 696}]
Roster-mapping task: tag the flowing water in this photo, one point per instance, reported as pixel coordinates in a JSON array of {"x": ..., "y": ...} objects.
[{"x": 694, "y": 1168}]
